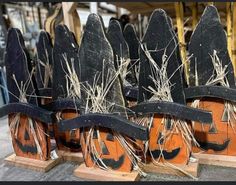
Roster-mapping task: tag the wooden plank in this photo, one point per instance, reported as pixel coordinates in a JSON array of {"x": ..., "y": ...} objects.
[
  {"x": 229, "y": 27},
  {"x": 71, "y": 18},
  {"x": 71, "y": 156},
  {"x": 194, "y": 15},
  {"x": 101, "y": 175},
  {"x": 180, "y": 28},
  {"x": 33, "y": 164},
  {"x": 210, "y": 3},
  {"x": 190, "y": 169},
  {"x": 234, "y": 38},
  {"x": 216, "y": 160}
]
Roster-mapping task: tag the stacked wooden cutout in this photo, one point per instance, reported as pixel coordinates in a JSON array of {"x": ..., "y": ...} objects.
[
  {"x": 212, "y": 88},
  {"x": 28, "y": 122}
]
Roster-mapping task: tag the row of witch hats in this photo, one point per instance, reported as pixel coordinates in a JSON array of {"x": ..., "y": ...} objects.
[{"x": 121, "y": 100}]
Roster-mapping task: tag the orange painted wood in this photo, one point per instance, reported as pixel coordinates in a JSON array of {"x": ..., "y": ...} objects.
[
  {"x": 67, "y": 135},
  {"x": 223, "y": 130},
  {"x": 44, "y": 141},
  {"x": 115, "y": 149},
  {"x": 173, "y": 140}
]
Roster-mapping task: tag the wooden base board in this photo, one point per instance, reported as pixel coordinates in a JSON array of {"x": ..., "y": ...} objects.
[
  {"x": 33, "y": 164},
  {"x": 217, "y": 160},
  {"x": 71, "y": 156},
  {"x": 98, "y": 174},
  {"x": 191, "y": 168}
]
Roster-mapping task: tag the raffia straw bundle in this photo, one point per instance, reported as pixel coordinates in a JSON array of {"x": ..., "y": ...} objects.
[
  {"x": 162, "y": 92},
  {"x": 218, "y": 77}
]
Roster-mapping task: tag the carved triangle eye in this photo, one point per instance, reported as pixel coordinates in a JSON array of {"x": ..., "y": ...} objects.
[
  {"x": 110, "y": 137},
  {"x": 26, "y": 135},
  {"x": 213, "y": 129},
  {"x": 104, "y": 149}
]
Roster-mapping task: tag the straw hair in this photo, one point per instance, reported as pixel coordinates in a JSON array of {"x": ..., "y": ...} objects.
[
  {"x": 96, "y": 102},
  {"x": 162, "y": 92},
  {"x": 34, "y": 128},
  {"x": 218, "y": 77}
]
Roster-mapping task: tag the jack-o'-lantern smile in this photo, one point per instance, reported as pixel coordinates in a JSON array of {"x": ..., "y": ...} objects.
[
  {"x": 26, "y": 148},
  {"x": 167, "y": 155},
  {"x": 112, "y": 163},
  {"x": 214, "y": 146}
]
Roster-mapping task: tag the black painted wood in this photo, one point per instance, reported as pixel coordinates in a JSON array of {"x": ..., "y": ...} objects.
[
  {"x": 120, "y": 47},
  {"x": 133, "y": 42},
  {"x": 173, "y": 109},
  {"x": 45, "y": 92},
  {"x": 224, "y": 93},
  {"x": 63, "y": 104},
  {"x": 116, "y": 123},
  {"x": 159, "y": 37},
  {"x": 131, "y": 92},
  {"x": 45, "y": 55},
  {"x": 3, "y": 38},
  {"x": 166, "y": 154},
  {"x": 95, "y": 50},
  {"x": 65, "y": 43},
  {"x": 30, "y": 110},
  {"x": 214, "y": 146},
  {"x": 18, "y": 62},
  {"x": 208, "y": 36}
]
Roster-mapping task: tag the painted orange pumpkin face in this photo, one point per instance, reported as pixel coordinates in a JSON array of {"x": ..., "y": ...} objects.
[
  {"x": 24, "y": 142},
  {"x": 68, "y": 140},
  {"x": 113, "y": 155},
  {"x": 219, "y": 137},
  {"x": 167, "y": 144}
]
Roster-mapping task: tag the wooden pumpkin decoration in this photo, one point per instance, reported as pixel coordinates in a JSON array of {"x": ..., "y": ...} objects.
[
  {"x": 65, "y": 96},
  {"x": 161, "y": 96},
  {"x": 111, "y": 153},
  {"x": 103, "y": 122},
  {"x": 28, "y": 123},
  {"x": 212, "y": 85}
]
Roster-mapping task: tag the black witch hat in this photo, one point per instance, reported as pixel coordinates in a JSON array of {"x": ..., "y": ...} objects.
[
  {"x": 159, "y": 45},
  {"x": 211, "y": 70},
  {"x": 43, "y": 63},
  {"x": 97, "y": 71},
  {"x": 65, "y": 54},
  {"x": 207, "y": 42},
  {"x": 20, "y": 86},
  {"x": 121, "y": 56}
]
